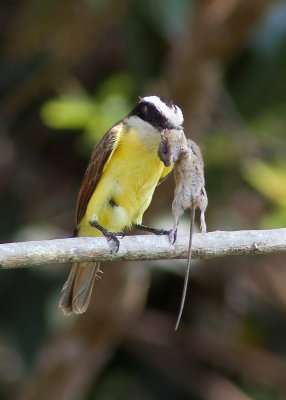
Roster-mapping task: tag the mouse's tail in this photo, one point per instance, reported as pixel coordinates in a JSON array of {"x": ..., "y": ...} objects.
[{"x": 193, "y": 210}]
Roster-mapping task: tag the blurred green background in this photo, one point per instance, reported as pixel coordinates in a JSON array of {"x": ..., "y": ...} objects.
[{"x": 68, "y": 71}]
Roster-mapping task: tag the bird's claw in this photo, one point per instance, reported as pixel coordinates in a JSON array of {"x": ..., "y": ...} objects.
[
  {"x": 112, "y": 236},
  {"x": 161, "y": 232}
]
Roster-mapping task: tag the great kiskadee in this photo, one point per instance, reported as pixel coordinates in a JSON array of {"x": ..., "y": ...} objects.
[{"x": 118, "y": 186}]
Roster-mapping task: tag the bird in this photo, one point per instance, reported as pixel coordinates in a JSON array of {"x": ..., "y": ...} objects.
[{"x": 118, "y": 186}]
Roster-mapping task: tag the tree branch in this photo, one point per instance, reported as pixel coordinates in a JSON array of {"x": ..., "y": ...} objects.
[{"x": 143, "y": 247}]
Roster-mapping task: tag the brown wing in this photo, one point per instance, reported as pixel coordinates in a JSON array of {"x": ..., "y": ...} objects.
[{"x": 99, "y": 158}]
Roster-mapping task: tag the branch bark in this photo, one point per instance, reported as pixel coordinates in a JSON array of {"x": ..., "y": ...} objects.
[{"x": 143, "y": 247}]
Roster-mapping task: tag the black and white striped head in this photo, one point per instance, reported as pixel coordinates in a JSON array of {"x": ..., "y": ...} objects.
[{"x": 159, "y": 112}]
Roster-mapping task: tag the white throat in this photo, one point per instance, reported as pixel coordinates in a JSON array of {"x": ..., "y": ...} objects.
[{"x": 149, "y": 135}]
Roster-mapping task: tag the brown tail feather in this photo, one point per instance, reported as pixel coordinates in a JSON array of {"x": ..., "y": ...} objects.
[{"x": 77, "y": 290}]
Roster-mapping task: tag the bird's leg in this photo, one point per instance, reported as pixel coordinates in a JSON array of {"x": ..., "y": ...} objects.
[
  {"x": 152, "y": 230},
  {"x": 109, "y": 235}
]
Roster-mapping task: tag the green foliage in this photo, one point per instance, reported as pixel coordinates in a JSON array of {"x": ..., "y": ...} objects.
[
  {"x": 269, "y": 180},
  {"x": 169, "y": 18},
  {"x": 94, "y": 115}
]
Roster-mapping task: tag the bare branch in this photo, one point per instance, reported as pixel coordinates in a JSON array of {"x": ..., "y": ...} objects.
[{"x": 143, "y": 247}]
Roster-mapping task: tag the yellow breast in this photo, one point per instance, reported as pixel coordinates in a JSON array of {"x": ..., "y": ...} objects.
[{"x": 127, "y": 184}]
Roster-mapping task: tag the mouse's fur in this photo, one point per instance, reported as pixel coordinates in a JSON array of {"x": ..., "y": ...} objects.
[{"x": 189, "y": 187}]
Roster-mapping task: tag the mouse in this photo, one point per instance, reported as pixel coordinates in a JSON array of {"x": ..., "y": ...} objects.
[
  {"x": 189, "y": 190},
  {"x": 172, "y": 143}
]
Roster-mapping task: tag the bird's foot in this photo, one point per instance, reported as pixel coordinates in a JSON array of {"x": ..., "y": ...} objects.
[
  {"x": 153, "y": 230},
  {"x": 109, "y": 235}
]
